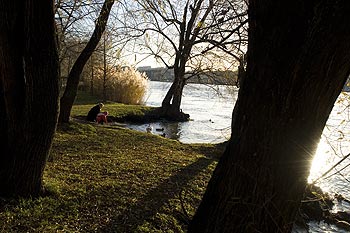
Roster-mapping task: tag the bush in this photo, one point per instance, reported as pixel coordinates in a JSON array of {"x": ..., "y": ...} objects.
[{"x": 123, "y": 85}]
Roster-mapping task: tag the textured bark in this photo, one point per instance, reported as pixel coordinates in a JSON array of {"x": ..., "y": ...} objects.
[
  {"x": 298, "y": 62},
  {"x": 67, "y": 100},
  {"x": 29, "y": 72}
]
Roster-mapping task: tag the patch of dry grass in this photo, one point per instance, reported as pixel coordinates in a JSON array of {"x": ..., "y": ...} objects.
[{"x": 126, "y": 86}]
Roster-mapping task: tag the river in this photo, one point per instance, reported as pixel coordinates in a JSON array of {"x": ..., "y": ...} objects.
[{"x": 210, "y": 108}]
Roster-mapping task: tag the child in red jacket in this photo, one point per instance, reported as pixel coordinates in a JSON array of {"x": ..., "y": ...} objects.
[{"x": 101, "y": 117}]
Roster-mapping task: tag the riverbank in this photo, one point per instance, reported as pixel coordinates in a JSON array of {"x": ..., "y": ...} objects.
[
  {"x": 129, "y": 113},
  {"x": 105, "y": 178},
  {"x": 318, "y": 206}
]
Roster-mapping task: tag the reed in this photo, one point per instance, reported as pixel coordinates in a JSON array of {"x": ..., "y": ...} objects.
[{"x": 123, "y": 85}]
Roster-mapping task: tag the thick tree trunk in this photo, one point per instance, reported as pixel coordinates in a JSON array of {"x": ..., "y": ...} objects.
[
  {"x": 298, "y": 61},
  {"x": 67, "y": 100},
  {"x": 29, "y": 72},
  {"x": 177, "y": 96},
  {"x": 92, "y": 77},
  {"x": 169, "y": 95},
  {"x": 104, "y": 91},
  {"x": 172, "y": 100}
]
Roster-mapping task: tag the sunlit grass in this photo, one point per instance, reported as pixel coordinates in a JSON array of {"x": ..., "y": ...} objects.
[
  {"x": 116, "y": 110},
  {"x": 84, "y": 102}
]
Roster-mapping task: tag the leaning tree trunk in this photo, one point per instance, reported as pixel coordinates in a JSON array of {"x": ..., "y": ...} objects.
[
  {"x": 169, "y": 95},
  {"x": 298, "y": 61},
  {"x": 92, "y": 77},
  {"x": 177, "y": 97},
  {"x": 29, "y": 72},
  {"x": 172, "y": 100},
  {"x": 67, "y": 100}
]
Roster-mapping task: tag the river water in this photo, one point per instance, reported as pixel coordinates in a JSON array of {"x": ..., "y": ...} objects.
[{"x": 210, "y": 108}]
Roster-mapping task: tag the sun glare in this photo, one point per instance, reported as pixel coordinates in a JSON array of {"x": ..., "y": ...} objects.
[{"x": 320, "y": 161}]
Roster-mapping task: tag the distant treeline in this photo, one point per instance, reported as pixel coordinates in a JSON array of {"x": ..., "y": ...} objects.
[{"x": 205, "y": 77}]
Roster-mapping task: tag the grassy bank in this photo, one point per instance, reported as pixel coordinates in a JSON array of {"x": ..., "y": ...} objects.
[
  {"x": 111, "y": 179},
  {"x": 117, "y": 111}
]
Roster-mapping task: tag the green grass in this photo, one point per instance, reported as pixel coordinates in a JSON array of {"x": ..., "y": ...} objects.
[
  {"x": 116, "y": 110},
  {"x": 111, "y": 179},
  {"x": 84, "y": 102}
]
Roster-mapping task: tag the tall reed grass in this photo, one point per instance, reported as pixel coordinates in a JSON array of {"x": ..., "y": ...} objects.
[{"x": 123, "y": 85}]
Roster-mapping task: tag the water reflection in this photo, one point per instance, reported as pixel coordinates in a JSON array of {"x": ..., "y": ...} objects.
[{"x": 166, "y": 129}]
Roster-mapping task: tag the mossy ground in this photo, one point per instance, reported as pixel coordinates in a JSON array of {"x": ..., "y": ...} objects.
[{"x": 103, "y": 178}]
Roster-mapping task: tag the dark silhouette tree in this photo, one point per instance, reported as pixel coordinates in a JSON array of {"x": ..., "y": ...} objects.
[
  {"x": 68, "y": 97},
  {"x": 298, "y": 62},
  {"x": 188, "y": 37},
  {"x": 29, "y": 74}
]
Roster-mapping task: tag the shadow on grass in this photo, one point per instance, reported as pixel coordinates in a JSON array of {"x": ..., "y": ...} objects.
[{"x": 151, "y": 203}]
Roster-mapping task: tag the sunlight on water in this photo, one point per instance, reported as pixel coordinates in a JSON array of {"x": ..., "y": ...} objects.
[
  {"x": 332, "y": 148},
  {"x": 335, "y": 143}
]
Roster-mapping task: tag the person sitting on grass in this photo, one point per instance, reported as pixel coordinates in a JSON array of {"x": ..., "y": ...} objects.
[
  {"x": 101, "y": 117},
  {"x": 92, "y": 114}
]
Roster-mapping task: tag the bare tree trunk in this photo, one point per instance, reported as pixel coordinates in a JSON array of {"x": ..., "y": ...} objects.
[
  {"x": 298, "y": 61},
  {"x": 70, "y": 92},
  {"x": 104, "y": 71},
  {"x": 69, "y": 66},
  {"x": 177, "y": 97},
  {"x": 241, "y": 71},
  {"x": 92, "y": 76},
  {"x": 172, "y": 101},
  {"x": 29, "y": 75},
  {"x": 169, "y": 95}
]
